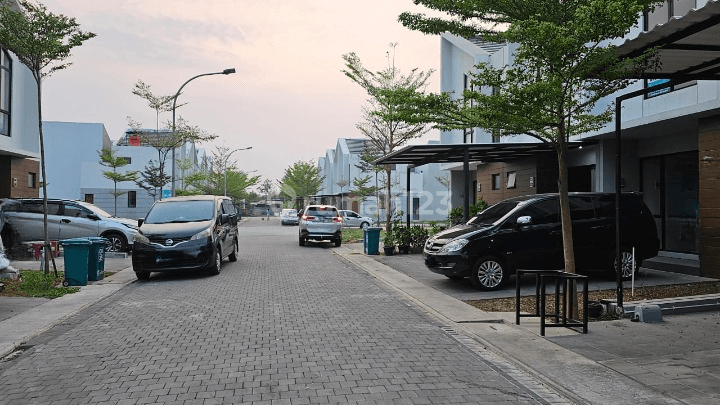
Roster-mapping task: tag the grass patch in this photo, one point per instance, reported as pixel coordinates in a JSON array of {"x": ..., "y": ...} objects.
[
  {"x": 352, "y": 235},
  {"x": 33, "y": 283}
]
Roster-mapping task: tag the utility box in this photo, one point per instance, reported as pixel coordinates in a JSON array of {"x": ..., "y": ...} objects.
[{"x": 648, "y": 313}]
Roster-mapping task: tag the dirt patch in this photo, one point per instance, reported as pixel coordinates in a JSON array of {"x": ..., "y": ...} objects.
[{"x": 527, "y": 303}]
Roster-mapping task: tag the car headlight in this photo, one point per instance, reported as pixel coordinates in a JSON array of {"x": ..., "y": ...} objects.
[
  {"x": 202, "y": 235},
  {"x": 455, "y": 245},
  {"x": 141, "y": 238}
]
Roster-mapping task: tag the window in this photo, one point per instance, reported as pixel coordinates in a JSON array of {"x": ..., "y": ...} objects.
[
  {"x": 75, "y": 211},
  {"x": 5, "y": 91},
  {"x": 542, "y": 212},
  {"x": 32, "y": 180},
  {"x": 132, "y": 199},
  {"x": 128, "y": 160},
  {"x": 511, "y": 180},
  {"x": 496, "y": 181},
  {"x": 89, "y": 198},
  {"x": 581, "y": 207}
]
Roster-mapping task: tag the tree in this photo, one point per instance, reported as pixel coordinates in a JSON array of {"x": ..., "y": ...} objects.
[
  {"x": 109, "y": 159},
  {"x": 152, "y": 179},
  {"x": 365, "y": 165},
  {"x": 564, "y": 65},
  {"x": 214, "y": 180},
  {"x": 301, "y": 179},
  {"x": 361, "y": 187},
  {"x": 383, "y": 125},
  {"x": 165, "y": 140},
  {"x": 40, "y": 40}
]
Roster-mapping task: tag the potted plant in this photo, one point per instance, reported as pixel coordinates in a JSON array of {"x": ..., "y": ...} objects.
[
  {"x": 389, "y": 243},
  {"x": 402, "y": 238}
]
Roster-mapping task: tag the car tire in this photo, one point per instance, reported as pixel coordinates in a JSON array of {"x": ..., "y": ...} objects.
[
  {"x": 214, "y": 270},
  {"x": 364, "y": 225},
  {"x": 338, "y": 242},
  {"x": 301, "y": 241},
  {"x": 142, "y": 275},
  {"x": 489, "y": 274},
  {"x": 233, "y": 256},
  {"x": 115, "y": 242},
  {"x": 627, "y": 258}
]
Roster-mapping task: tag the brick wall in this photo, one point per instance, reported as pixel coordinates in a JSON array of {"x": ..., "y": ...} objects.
[
  {"x": 709, "y": 196},
  {"x": 15, "y": 185}
]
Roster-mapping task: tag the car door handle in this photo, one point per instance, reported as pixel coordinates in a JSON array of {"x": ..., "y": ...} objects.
[{"x": 66, "y": 221}]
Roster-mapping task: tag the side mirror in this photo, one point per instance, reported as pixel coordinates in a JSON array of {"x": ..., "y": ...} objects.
[
  {"x": 93, "y": 217},
  {"x": 225, "y": 219},
  {"x": 525, "y": 220},
  {"x": 140, "y": 222}
]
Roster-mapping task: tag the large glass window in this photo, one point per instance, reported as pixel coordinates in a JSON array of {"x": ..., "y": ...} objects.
[{"x": 5, "y": 91}]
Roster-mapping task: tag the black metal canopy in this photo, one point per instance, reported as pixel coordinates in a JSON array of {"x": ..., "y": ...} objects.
[
  {"x": 418, "y": 155},
  {"x": 689, "y": 46}
]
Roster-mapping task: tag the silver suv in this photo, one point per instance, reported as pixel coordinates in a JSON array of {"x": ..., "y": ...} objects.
[
  {"x": 23, "y": 219},
  {"x": 320, "y": 222}
]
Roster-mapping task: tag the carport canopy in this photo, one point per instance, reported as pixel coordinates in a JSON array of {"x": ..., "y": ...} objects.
[{"x": 419, "y": 155}]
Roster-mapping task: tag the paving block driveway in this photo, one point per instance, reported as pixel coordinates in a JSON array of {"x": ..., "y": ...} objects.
[{"x": 282, "y": 325}]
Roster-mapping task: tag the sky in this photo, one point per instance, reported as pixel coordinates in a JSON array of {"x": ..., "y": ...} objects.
[{"x": 289, "y": 99}]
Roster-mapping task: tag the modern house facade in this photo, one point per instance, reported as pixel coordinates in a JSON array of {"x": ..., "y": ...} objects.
[
  {"x": 20, "y": 175},
  {"x": 75, "y": 172},
  {"x": 341, "y": 166},
  {"x": 670, "y": 140}
]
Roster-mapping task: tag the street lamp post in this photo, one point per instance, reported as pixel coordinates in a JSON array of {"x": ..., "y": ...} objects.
[
  {"x": 224, "y": 72},
  {"x": 225, "y": 166}
]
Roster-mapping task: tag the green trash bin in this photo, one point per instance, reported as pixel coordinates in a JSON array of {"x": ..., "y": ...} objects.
[
  {"x": 371, "y": 241},
  {"x": 76, "y": 254},
  {"x": 96, "y": 259}
]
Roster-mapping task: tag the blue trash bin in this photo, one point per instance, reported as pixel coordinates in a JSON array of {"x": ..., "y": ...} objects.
[
  {"x": 371, "y": 241},
  {"x": 96, "y": 259},
  {"x": 76, "y": 254}
]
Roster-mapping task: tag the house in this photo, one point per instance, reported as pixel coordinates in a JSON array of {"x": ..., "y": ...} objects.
[
  {"x": 74, "y": 169},
  {"x": 342, "y": 165},
  {"x": 670, "y": 139},
  {"x": 19, "y": 133}
]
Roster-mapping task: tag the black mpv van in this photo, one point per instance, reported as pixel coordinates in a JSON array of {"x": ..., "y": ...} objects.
[
  {"x": 186, "y": 233},
  {"x": 525, "y": 233}
]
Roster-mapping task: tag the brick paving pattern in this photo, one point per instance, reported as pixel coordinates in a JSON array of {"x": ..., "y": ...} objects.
[{"x": 283, "y": 325}]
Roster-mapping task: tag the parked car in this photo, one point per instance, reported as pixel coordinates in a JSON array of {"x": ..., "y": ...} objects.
[
  {"x": 289, "y": 216},
  {"x": 525, "y": 233},
  {"x": 186, "y": 233},
  {"x": 66, "y": 219},
  {"x": 320, "y": 222},
  {"x": 353, "y": 219}
]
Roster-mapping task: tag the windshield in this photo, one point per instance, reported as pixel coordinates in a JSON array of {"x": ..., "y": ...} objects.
[
  {"x": 97, "y": 210},
  {"x": 181, "y": 211},
  {"x": 493, "y": 213}
]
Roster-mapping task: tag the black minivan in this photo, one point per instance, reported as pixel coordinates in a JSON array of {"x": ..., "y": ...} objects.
[
  {"x": 186, "y": 233},
  {"x": 525, "y": 233}
]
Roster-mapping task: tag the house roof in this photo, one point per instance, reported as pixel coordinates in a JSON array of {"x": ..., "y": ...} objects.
[
  {"x": 689, "y": 46},
  {"x": 418, "y": 155}
]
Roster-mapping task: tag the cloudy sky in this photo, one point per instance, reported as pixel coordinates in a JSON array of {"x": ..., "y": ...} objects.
[{"x": 289, "y": 99}]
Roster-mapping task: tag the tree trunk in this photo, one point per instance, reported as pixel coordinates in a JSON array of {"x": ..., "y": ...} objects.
[
  {"x": 568, "y": 250},
  {"x": 388, "y": 211},
  {"x": 46, "y": 237}
]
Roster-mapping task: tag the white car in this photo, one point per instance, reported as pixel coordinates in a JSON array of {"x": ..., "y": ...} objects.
[
  {"x": 66, "y": 219},
  {"x": 289, "y": 216},
  {"x": 352, "y": 218}
]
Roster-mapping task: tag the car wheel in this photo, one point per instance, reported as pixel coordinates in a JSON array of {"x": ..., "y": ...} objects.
[
  {"x": 301, "y": 241},
  {"x": 233, "y": 255},
  {"x": 626, "y": 260},
  {"x": 142, "y": 275},
  {"x": 364, "y": 225},
  {"x": 489, "y": 274},
  {"x": 338, "y": 242},
  {"x": 215, "y": 269},
  {"x": 115, "y": 242}
]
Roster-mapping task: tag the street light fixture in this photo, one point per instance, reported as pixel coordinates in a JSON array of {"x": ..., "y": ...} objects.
[
  {"x": 224, "y": 72},
  {"x": 225, "y": 166}
]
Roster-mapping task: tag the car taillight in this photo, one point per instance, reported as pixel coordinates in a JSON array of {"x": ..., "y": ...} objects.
[
  {"x": 337, "y": 219},
  {"x": 308, "y": 218}
]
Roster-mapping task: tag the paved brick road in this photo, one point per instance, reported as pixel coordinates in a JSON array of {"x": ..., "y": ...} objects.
[{"x": 283, "y": 325}]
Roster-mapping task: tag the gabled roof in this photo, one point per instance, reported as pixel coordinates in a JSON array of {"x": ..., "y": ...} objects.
[{"x": 689, "y": 46}]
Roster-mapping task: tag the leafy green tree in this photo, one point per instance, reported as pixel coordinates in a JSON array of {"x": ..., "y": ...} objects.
[
  {"x": 152, "y": 179},
  {"x": 301, "y": 179},
  {"x": 361, "y": 187},
  {"x": 383, "y": 123},
  {"x": 109, "y": 159},
  {"x": 41, "y": 41},
  {"x": 563, "y": 66}
]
